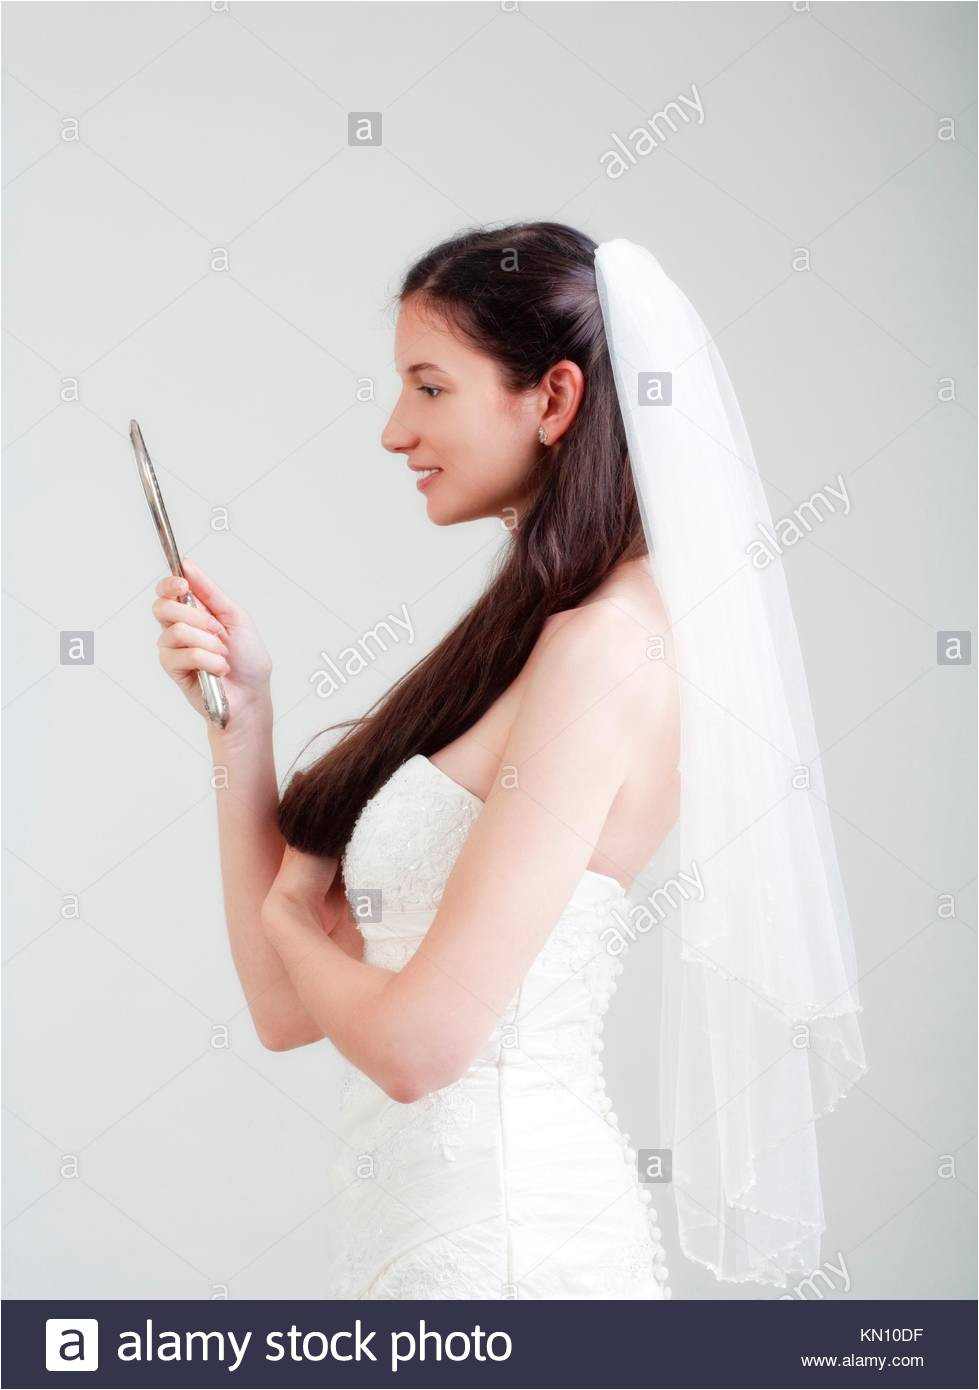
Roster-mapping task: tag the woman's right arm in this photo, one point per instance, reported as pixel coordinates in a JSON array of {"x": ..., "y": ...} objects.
[
  {"x": 219, "y": 637},
  {"x": 251, "y": 853}
]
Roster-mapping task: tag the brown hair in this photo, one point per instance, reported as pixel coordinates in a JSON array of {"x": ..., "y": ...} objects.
[{"x": 525, "y": 295}]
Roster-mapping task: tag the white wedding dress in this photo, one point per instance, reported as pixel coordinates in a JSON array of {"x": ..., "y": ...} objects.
[{"x": 514, "y": 1181}]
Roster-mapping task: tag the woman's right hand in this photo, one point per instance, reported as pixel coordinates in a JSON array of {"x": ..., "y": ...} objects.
[{"x": 217, "y": 636}]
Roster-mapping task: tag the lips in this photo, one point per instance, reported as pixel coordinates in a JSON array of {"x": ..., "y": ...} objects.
[{"x": 426, "y": 476}]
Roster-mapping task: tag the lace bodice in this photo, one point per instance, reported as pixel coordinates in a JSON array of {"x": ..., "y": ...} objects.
[
  {"x": 408, "y": 836},
  {"x": 454, "y": 1191}
]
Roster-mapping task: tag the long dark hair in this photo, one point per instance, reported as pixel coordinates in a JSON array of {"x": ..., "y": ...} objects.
[{"x": 525, "y": 295}]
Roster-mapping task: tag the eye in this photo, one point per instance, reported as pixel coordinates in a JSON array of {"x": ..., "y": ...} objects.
[{"x": 437, "y": 389}]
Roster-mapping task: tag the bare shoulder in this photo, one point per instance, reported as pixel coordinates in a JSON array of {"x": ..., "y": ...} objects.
[
  {"x": 612, "y": 654},
  {"x": 600, "y": 632},
  {"x": 624, "y": 614},
  {"x": 623, "y": 634}
]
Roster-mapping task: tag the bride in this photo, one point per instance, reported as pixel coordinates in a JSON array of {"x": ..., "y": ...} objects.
[{"x": 435, "y": 894}]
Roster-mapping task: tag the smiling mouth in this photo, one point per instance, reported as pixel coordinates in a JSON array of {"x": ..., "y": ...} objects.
[{"x": 425, "y": 476}]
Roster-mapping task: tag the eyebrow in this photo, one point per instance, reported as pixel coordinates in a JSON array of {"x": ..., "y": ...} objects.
[{"x": 426, "y": 367}]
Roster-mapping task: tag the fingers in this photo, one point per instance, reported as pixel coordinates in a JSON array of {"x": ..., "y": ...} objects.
[
  {"x": 169, "y": 610},
  {"x": 207, "y": 591},
  {"x": 171, "y": 585},
  {"x": 181, "y": 661},
  {"x": 183, "y": 634}
]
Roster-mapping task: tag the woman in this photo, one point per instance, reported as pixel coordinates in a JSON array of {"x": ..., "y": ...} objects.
[
  {"x": 485, "y": 820},
  {"x": 516, "y": 780}
]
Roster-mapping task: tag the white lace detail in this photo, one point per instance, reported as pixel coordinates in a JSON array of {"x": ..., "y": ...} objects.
[
  {"x": 482, "y": 1189},
  {"x": 435, "y": 1123},
  {"x": 438, "y": 1270},
  {"x": 407, "y": 838}
]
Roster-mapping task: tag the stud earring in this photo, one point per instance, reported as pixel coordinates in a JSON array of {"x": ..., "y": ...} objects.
[{"x": 542, "y": 434}]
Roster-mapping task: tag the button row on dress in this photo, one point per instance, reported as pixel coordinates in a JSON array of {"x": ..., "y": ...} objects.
[
  {"x": 629, "y": 1155},
  {"x": 660, "y": 1272},
  {"x": 604, "y": 993}
]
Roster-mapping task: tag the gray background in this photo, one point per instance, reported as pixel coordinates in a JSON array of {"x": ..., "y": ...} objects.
[{"x": 140, "y": 1160}]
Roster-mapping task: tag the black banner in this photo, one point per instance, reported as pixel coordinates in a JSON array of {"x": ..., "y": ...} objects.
[{"x": 459, "y": 1344}]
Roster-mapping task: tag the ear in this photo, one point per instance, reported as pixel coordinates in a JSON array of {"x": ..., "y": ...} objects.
[{"x": 562, "y": 390}]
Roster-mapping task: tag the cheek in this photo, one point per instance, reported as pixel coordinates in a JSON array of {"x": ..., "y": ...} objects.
[
  {"x": 458, "y": 433},
  {"x": 485, "y": 447},
  {"x": 498, "y": 447},
  {"x": 489, "y": 475}
]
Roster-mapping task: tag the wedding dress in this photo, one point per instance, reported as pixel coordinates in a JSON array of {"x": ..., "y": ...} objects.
[{"x": 515, "y": 1180}]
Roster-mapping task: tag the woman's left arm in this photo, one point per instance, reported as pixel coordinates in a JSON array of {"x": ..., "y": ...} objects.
[
  {"x": 591, "y": 703},
  {"x": 341, "y": 993}
]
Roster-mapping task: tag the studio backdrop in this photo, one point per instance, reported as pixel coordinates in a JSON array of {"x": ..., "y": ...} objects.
[{"x": 206, "y": 210}]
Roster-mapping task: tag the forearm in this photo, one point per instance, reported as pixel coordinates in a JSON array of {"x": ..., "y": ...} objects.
[
  {"x": 349, "y": 999},
  {"x": 251, "y": 849}
]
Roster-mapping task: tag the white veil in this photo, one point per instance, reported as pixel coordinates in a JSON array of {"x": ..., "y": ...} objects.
[{"x": 759, "y": 1026}]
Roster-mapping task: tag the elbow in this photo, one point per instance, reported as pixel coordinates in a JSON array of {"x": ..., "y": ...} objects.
[
  {"x": 286, "y": 1039},
  {"x": 406, "y": 1052},
  {"x": 412, "y": 1077},
  {"x": 407, "y": 1087},
  {"x": 403, "y": 1088}
]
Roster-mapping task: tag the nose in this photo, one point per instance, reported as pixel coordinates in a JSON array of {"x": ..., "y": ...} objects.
[{"x": 396, "y": 436}]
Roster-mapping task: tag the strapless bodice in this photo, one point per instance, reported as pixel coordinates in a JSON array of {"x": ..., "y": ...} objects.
[
  {"x": 397, "y": 863},
  {"x": 408, "y": 836}
]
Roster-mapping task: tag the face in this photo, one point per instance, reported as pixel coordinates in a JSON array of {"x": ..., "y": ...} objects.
[{"x": 455, "y": 415}]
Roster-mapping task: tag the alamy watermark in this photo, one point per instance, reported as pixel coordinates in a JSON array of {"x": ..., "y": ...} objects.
[
  {"x": 357, "y": 657},
  {"x": 645, "y": 138},
  {"x": 683, "y": 887},
  {"x": 788, "y": 530}
]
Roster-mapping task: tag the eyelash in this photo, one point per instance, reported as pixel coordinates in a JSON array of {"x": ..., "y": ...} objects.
[{"x": 439, "y": 389}]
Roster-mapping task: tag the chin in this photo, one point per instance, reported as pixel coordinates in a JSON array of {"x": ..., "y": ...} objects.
[
  {"x": 446, "y": 516},
  {"x": 449, "y": 511}
]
